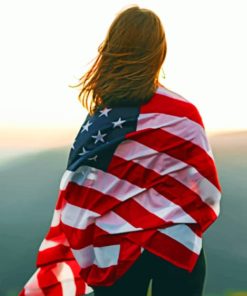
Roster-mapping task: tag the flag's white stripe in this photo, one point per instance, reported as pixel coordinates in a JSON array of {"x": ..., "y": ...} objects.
[
  {"x": 162, "y": 207},
  {"x": 104, "y": 182},
  {"x": 65, "y": 276},
  {"x": 88, "y": 289},
  {"x": 165, "y": 91},
  {"x": 66, "y": 178},
  {"x": 101, "y": 256},
  {"x": 113, "y": 223},
  {"x": 159, "y": 162},
  {"x": 85, "y": 256},
  {"x": 46, "y": 244},
  {"x": 56, "y": 218},
  {"x": 77, "y": 217},
  {"x": 106, "y": 256},
  {"x": 181, "y": 127},
  {"x": 192, "y": 179},
  {"x": 82, "y": 173},
  {"x": 164, "y": 164},
  {"x": 184, "y": 235},
  {"x": 32, "y": 286}
]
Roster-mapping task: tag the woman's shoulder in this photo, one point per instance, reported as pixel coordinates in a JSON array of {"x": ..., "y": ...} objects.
[
  {"x": 163, "y": 90},
  {"x": 169, "y": 102}
]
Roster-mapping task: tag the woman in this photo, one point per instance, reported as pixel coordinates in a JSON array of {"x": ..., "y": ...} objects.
[
  {"x": 126, "y": 74},
  {"x": 140, "y": 187}
]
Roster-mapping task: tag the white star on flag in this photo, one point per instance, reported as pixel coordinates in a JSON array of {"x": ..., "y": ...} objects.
[
  {"x": 86, "y": 126},
  {"x": 99, "y": 137},
  {"x": 105, "y": 111},
  {"x": 83, "y": 151},
  {"x": 118, "y": 123},
  {"x": 93, "y": 158}
]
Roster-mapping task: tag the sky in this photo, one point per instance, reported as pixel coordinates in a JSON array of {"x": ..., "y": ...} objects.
[{"x": 47, "y": 45}]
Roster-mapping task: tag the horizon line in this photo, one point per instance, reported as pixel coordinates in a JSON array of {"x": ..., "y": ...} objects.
[{"x": 43, "y": 138}]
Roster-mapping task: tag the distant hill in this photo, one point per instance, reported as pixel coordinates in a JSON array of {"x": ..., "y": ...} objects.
[{"x": 29, "y": 188}]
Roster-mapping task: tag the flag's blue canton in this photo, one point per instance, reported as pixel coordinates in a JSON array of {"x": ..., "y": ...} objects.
[{"x": 99, "y": 136}]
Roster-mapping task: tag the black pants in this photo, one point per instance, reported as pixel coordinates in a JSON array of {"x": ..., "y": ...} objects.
[{"x": 167, "y": 279}]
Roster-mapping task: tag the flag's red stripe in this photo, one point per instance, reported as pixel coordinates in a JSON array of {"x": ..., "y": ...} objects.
[
  {"x": 161, "y": 103},
  {"x": 48, "y": 282},
  {"x": 138, "y": 216},
  {"x": 89, "y": 198},
  {"x": 196, "y": 228},
  {"x": 60, "y": 201},
  {"x": 79, "y": 238},
  {"x": 79, "y": 282},
  {"x": 164, "y": 246},
  {"x": 55, "y": 234},
  {"x": 22, "y": 292},
  {"x": 53, "y": 254}
]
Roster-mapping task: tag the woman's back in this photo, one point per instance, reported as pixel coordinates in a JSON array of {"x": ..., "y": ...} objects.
[{"x": 147, "y": 182}]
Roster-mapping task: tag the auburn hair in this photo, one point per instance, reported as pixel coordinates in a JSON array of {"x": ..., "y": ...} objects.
[{"x": 129, "y": 60}]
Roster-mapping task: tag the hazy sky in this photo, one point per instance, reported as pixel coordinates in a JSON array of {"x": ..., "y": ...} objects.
[{"x": 46, "y": 45}]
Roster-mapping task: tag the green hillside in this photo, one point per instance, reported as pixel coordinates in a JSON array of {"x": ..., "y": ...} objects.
[{"x": 29, "y": 187}]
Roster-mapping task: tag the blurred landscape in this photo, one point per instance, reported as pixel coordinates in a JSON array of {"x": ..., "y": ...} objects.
[{"x": 29, "y": 187}]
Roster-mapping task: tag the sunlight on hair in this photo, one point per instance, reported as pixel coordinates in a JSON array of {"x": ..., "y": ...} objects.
[{"x": 130, "y": 58}]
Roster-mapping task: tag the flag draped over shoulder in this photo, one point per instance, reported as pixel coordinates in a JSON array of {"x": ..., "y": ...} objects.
[{"x": 137, "y": 178}]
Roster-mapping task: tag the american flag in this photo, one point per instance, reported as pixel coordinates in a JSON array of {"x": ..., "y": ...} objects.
[{"x": 137, "y": 177}]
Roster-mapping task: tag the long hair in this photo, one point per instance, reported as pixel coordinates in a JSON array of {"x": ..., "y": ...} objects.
[{"x": 129, "y": 60}]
